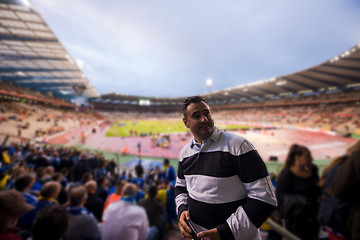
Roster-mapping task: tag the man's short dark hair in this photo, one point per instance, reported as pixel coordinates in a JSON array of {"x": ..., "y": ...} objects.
[
  {"x": 56, "y": 176},
  {"x": 23, "y": 182},
  {"x": 152, "y": 191},
  {"x": 86, "y": 177},
  {"x": 192, "y": 99},
  {"x": 51, "y": 222},
  {"x": 100, "y": 180}
]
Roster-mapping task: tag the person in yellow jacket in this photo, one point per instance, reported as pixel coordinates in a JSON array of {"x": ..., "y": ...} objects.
[
  {"x": 4, "y": 177},
  {"x": 5, "y": 156}
]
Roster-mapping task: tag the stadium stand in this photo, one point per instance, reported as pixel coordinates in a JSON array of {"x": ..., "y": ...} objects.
[{"x": 37, "y": 82}]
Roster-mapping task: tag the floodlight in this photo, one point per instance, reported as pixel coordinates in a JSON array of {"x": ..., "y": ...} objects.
[{"x": 26, "y": 3}]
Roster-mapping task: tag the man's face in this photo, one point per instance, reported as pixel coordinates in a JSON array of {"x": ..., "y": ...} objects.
[{"x": 198, "y": 119}]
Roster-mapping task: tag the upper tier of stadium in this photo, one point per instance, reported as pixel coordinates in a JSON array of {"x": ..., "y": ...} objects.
[{"x": 33, "y": 58}]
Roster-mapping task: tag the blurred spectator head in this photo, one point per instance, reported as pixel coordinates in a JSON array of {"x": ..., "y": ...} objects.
[
  {"x": 50, "y": 170},
  {"x": 50, "y": 222},
  {"x": 12, "y": 207},
  {"x": 86, "y": 177},
  {"x": 353, "y": 148},
  {"x": 152, "y": 191},
  {"x": 119, "y": 185},
  {"x": 130, "y": 189},
  {"x": 166, "y": 162},
  {"x": 91, "y": 187},
  {"x": 78, "y": 196},
  {"x": 24, "y": 182},
  {"x": 298, "y": 153},
  {"x": 57, "y": 177},
  {"x": 50, "y": 190}
]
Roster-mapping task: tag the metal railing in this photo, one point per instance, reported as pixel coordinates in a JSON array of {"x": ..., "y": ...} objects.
[{"x": 281, "y": 230}]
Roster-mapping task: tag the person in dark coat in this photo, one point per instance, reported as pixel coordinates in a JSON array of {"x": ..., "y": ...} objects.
[
  {"x": 297, "y": 193},
  {"x": 94, "y": 204},
  {"x": 80, "y": 167},
  {"x": 346, "y": 186}
]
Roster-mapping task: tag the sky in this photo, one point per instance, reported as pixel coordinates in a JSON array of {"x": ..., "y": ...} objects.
[{"x": 166, "y": 48}]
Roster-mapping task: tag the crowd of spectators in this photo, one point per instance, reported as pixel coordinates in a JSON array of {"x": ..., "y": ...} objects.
[
  {"x": 341, "y": 118},
  {"x": 8, "y": 89},
  {"x": 58, "y": 190},
  {"x": 88, "y": 188},
  {"x": 30, "y": 121},
  {"x": 78, "y": 190}
]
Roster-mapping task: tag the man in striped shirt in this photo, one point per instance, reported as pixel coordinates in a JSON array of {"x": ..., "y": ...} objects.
[{"x": 222, "y": 186}]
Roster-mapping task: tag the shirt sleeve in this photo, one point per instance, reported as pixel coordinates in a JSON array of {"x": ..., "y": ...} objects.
[{"x": 260, "y": 201}]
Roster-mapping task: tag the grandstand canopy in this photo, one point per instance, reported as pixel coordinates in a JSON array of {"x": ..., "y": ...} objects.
[
  {"x": 32, "y": 56},
  {"x": 337, "y": 74}
]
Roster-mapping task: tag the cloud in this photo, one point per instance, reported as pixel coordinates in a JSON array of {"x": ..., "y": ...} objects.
[{"x": 167, "y": 48}]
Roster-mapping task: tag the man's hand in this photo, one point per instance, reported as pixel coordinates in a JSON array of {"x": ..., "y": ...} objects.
[
  {"x": 211, "y": 234},
  {"x": 184, "y": 228}
]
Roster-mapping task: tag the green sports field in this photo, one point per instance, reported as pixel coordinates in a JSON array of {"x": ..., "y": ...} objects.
[
  {"x": 129, "y": 128},
  {"x": 134, "y": 127}
]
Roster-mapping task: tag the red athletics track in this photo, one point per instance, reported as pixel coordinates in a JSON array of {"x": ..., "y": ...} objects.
[{"x": 268, "y": 143}]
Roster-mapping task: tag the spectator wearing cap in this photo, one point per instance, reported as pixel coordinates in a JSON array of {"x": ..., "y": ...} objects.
[
  {"x": 80, "y": 217},
  {"x": 23, "y": 184},
  {"x": 51, "y": 222},
  {"x": 12, "y": 207}
]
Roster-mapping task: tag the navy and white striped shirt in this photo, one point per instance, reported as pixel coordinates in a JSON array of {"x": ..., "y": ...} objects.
[{"x": 224, "y": 183}]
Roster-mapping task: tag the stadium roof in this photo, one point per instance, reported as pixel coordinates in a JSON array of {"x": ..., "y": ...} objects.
[
  {"x": 339, "y": 73},
  {"x": 32, "y": 56}
]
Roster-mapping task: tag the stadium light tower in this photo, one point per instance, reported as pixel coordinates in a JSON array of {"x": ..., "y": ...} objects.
[{"x": 209, "y": 83}]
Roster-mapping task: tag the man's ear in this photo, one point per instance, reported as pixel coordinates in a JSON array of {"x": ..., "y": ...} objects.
[{"x": 185, "y": 122}]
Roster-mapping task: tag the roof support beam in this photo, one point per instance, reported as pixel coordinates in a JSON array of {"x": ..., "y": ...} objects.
[
  {"x": 10, "y": 69},
  {"x": 27, "y": 58},
  {"x": 319, "y": 80}
]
